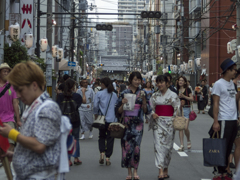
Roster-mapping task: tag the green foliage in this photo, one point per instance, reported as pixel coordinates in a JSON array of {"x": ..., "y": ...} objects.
[
  {"x": 40, "y": 62},
  {"x": 160, "y": 70},
  {"x": 15, "y": 54}
]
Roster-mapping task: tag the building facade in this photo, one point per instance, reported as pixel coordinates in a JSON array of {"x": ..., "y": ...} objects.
[{"x": 214, "y": 40}]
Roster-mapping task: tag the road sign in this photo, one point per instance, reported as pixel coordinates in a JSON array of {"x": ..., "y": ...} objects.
[{"x": 71, "y": 64}]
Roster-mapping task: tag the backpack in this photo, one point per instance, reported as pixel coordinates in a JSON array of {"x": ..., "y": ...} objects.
[{"x": 69, "y": 108}]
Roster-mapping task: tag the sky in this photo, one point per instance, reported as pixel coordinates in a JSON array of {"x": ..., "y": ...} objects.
[{"x": 105, "y": 6}]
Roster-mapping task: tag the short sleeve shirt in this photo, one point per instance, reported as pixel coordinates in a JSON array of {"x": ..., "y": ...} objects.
[
  {"x": 6, "y": 104},
  {"x": 227, "y": 103}
]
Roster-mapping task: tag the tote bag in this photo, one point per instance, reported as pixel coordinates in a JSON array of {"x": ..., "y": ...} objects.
[{"x": 214, "y": 151}]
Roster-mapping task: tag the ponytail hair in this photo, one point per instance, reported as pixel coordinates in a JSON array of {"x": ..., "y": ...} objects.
[
  {"x": 108, "y": 83},
  {"x": 68, "y": 85}
]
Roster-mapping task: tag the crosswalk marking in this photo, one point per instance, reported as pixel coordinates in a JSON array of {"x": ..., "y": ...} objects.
[{"x": 182, "y": 154}]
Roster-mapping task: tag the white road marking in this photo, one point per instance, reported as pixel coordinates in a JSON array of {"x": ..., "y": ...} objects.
[
  {"x": 182, "y": 154},
  {"x": 205, "y": 179}
]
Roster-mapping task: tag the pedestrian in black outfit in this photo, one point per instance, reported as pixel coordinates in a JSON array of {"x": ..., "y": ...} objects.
[
  {"x": 104, "y": 104},
  {"x": 225, "y": 111},
  {"x": 204, "y": 93},
  {"x": 68, "y": 95}
]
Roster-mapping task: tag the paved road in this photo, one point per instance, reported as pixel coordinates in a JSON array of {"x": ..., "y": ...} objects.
[{"x": 184, "y": 166}]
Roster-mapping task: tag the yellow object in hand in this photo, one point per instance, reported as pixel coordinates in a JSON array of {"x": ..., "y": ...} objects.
[{"x": 13, "y": 134}]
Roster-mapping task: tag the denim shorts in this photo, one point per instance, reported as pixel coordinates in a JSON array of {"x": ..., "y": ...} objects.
[{"x": 186, "y": 112}]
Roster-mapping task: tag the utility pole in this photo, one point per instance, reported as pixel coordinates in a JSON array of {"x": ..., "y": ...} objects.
[
  {"x": 79, "y": 42},
  {"x": 238, "y": 33},
  {"x": 164, "y": 35},
  {"x": 72, "y": 36},
  {"x": 182, "y": 27},
  {"x": 49, "y": 50},
  {"x": 37, "y": 52}
]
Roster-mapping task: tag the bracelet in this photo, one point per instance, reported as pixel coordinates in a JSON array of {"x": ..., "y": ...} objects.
[{"x": 13, "y": 134}]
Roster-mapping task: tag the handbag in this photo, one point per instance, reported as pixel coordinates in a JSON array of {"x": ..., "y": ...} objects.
[
  {"x": 214, "y": 151},
  {"x": 192, "y": 114},
  {"x": 179, "y": 122},
  {"x": 99, "y": 123},
  {"x": 117, "y": 130}
]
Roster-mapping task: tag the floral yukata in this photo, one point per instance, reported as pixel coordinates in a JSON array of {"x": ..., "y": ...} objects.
[
  {"x": 163, "y": 133},
  {"x": 134, "y": 130}
]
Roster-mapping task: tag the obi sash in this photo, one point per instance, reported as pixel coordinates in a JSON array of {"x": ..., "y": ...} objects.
[
  {"x": 134, "y": 112},
  {"x": 164, "y": 110}
]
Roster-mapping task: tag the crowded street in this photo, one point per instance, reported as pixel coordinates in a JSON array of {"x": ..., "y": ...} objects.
[{"x": 186, "y": 165}]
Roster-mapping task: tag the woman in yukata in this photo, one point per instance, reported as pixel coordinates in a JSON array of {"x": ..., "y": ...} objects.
[
  {"x": 164, "y": 104},
  {"x": 133, "y": 120}
]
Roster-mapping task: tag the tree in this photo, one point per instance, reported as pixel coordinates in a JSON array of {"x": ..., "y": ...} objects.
[
  {"x": 160, "y": 72},
  {"x": 15, "y": 53}
]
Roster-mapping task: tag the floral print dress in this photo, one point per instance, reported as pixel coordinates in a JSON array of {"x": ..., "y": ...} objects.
[
  {"x": 134, "y": 130},
  {"x": 163, "y": 132}
]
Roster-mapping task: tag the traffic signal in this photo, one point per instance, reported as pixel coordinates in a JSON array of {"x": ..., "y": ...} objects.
[
  {"x": 101, "y": 64},
  {"x": 151, "y": 14},
  {"x": 104, "y": 27},
  {"x": 169, "y": 70}
]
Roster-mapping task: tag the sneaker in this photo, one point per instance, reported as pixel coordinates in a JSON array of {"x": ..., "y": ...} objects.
[
  {"x": 90, "y": 135},
  {"x": 82, "y": 137}
]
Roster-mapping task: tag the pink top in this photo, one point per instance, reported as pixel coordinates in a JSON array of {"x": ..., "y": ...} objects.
[{"x": 6, "y": 104}]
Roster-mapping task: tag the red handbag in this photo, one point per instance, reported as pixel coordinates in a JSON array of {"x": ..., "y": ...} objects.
[{"x": 192, "y": 115}]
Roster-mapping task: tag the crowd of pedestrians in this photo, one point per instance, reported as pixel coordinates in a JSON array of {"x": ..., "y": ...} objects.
[{"x": 44, "y": 135}]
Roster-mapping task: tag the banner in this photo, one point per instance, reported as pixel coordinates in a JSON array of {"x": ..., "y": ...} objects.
[{"x": 26, "y": 11}]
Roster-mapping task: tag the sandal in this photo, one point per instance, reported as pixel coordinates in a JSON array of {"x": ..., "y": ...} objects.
[
  {"x": 70, "y": 163},
  {"x": 166, "y": 176},
  {"x": 189, "y": 145},
  {"x": 108, "y": 163},
  {"x": 203, "y": 112},
  {"x": 161, "y": 177},
  {"x": 181, "y": 148},
  {"x": 101, "y": 160},
  {"x": 136, "y": 178},
  {"x": 129, "y": 178},
  {"x": 78, "y": 162}
]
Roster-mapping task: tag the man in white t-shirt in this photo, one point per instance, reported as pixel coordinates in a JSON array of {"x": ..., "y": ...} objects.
[{"x": 225, "y": 111}]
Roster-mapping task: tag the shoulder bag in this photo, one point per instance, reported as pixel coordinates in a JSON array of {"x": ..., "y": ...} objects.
[
  {"x": 99, "y": 123},
  {"x": 179, "y": 122},
  {"x": 5, "y": 89}
]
